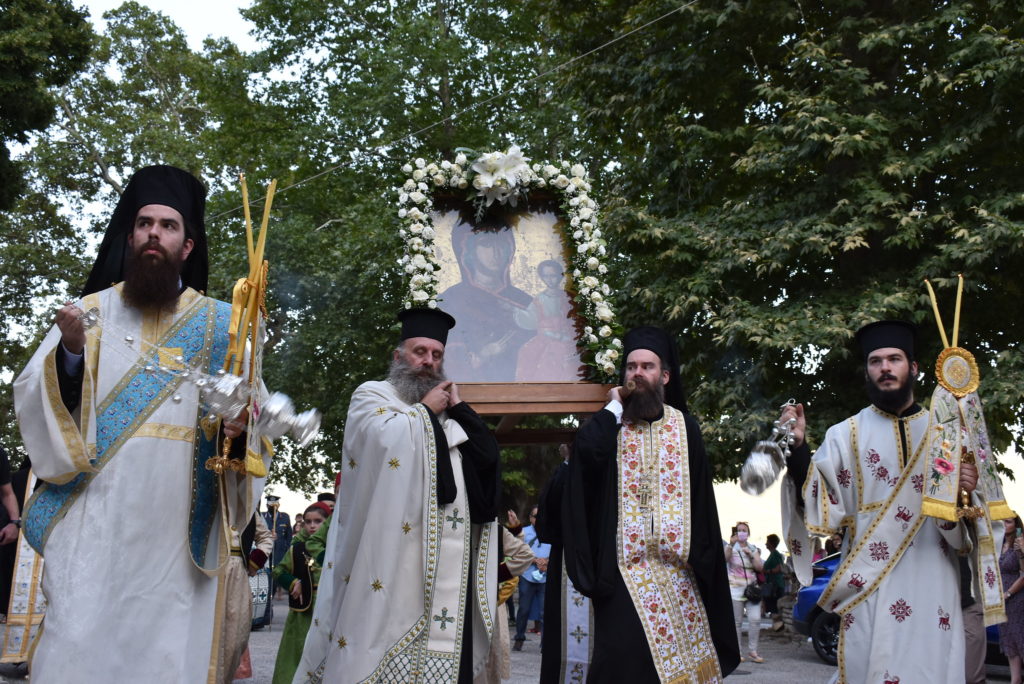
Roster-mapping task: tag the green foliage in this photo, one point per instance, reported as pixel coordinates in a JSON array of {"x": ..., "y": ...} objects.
[
  {"x": 789, "y": 172},
  {"x": 42, "y": 44}
]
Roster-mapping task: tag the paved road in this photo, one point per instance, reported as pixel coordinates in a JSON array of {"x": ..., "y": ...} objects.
[{"x": 788, "y": 659}]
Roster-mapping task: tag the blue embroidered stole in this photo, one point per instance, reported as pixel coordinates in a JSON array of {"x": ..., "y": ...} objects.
[{"x": 202, "y": 336}]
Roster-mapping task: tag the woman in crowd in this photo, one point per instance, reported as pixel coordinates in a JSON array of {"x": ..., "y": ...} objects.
[
  {"x": 744, "y": 560},
  {"x": 1011, "y": 567}
]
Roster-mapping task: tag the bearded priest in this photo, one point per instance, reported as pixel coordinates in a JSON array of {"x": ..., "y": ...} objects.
[
  {"x": 641, "y": 530},
  {"x": 409, "y": 581}
]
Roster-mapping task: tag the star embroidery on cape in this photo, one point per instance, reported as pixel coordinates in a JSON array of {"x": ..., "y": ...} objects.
[
  {"x": 330, "y": 565},
  {"x": 352, "y": 463},
  {"x": 377, "y": 585},
  {"x": 342, "y": 643},
  {"x": 381, "y": 411},
  {"x": 347, "y": 578},
  {"x": 394, "y": 463},
  {"x": 406, "y": 528}
]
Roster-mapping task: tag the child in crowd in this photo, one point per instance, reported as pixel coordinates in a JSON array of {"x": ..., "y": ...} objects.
[{"x": 298, "y": 574}]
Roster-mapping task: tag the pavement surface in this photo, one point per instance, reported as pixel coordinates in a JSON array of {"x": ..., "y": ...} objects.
[{"x": 788, "y": 658}]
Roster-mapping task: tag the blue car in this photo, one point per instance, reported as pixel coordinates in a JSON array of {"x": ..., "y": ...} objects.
[{"x": 823, "y": 628}]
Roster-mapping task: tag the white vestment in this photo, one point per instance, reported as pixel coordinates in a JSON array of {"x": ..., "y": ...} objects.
[
  {"x": 129, "y": 520},
  {"x": 399, "y": 569},
  {"x": 900, "y": 614}
]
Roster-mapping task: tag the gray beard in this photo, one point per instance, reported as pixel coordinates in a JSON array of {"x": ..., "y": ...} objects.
[{"x": 412, "y": 384}]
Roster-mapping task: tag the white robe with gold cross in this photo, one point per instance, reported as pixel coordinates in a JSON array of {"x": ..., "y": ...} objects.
[{"x": 399, "y": 569}]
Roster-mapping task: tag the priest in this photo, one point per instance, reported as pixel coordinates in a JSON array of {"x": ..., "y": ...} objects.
[
  {"x": 409, "y": 581},
  {"x": 641, "y": 530},
  {"x": 128, "y": 518},
  {"x": 898, "y": 589}
]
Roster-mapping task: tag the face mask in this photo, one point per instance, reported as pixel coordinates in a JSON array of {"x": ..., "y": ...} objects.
[{"x": 742, "y": 536}]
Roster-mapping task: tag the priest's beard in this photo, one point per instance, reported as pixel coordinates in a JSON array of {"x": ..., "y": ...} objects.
[
  {"x": 646, "y": 402},
  {"x": 412, "y": 384},
  {"x": 891, "y": 401},
  {"x": 152, "y": 282}
]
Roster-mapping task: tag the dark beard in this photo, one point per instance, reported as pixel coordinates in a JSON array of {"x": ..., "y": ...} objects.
[
  {"x": 891, "y": 401},
  {"x": 412, "y": 384},
  {"x": 646, "y": 402},
  {"x": 151, "y": 283}
]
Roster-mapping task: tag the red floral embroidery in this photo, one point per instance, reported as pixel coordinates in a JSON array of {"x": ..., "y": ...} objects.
[
  {"x": 879, "y": 551},
  {"x": 918, "y": 482},
  {"x": 882, "y": 473},
  {"x": 900, "y": 610},
  {"x": 843, "y": 477},
  {"x": 904, "y": 515},
  {"x": 890, "y": 679},
  {"x": 856, "y": 582},
  {"x": 943, "y": 620},
  {"x": 848, "y": 620},
  {"x": 796, "y": 547},
  {"x": 990, "y": 577},
  {"x": 873, "y": 456}
]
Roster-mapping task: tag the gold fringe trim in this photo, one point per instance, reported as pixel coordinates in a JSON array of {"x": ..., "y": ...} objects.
[{"x": 935, "y": 508}]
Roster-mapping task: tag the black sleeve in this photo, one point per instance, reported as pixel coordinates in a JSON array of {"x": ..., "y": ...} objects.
[
  {"x": 481, "y": 464},
  {"x": 707, "y": 553},
  {"x": 70, "y": 385},
  {"x": 549, "y": 509},
  {"x": 446, "y": 489},
  {"x": 589, "y": 510},
  {"x": 798, "y": 463}
]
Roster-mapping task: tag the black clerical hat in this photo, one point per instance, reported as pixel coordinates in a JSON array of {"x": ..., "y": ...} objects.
[
  {"x": 423, "y": 322},
  {"x": 897, "y": 334},
  {"x": 661, "y": 343},
  {"x": 164, "y": 185}
]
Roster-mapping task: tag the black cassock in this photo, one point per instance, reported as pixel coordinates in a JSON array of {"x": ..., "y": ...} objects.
[
  {"x": 549, "y": 531},
  {"x": 589, "y": 527}
]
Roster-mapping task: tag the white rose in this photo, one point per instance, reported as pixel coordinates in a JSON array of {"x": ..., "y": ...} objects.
[
  {"x": 565, "y": 164},
  {"x": 586, "y": 213},
  {"x": 432, "y": 304},
  {"x": 460, "y": 159},
  {"x": 403, "y": 198},
  {"x": 420, "y": 163},
  {"x": 590, "y": 281},
  {"x": 578, "y": 170},
  {"x": 418, "y": 174},
  {"x": 410, "y": 269},
  {"x": 541, "y": 183},
  {"x": 617, "y": 343},
  {"x": 419, "y": 296},
  {"x": 582, "y": 249},
  {"x": 401, "y": 231},
  {"x": 601, "y": 250},
  {"x": 561, "y": 182},
  {"x": 570, "y": 189},
  {"x": 432, "y": 168},
  {"x": 585, "y": 291},
  {"x": 596, "y": 297},
  {"x": 463, "y": 184},
  {"x": 605, "y": 288},
  {"x": 428, "y": 233},
  {"x": 592, "y": 339},
  {"x": 576, "y": 273},
  {"x": 588, "y": 330},
  {"x": 416, "y": 228},
  {"x": 536, "y": 168},
  {"x": 604, "y": 313},
  {"x": 573, "y": 201},
  {"x": 416, "y": 243},
  {"x": 574, "y": 222},
  {"x": 479, "y": 182},
  {"x": 612, "y": 354},
  {"x": 402, "y": 213},
  {"x": 422, "y": 187},
  {"x": 608, "y": 368},
  {"x": 446, "y": 165},
  {"x": 417, "y": 197},
  {"x": 592, "y": 262},
  {"x": 439, "y": 179},
  {"x": 597, "y": 233},
  {"x": 602, "y": 269},
  {"x": 605, "y": 331},
  {"x": 577, "y": 235},
  {"x": 587, "y": 225},
  {"x": 419, "y": 262},
  {"x": 550, "y": 170},
  {"x": 456, "y": 168},
  {"x": 410, "y": 185},
  {"x": 407, "y": 168},
  {"x": 455, "y": 180}
]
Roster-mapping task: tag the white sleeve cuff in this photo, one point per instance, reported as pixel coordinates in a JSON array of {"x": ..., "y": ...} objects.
[
  {"x": 615, "y": 406},
  {"x": 72, "y": 362}
]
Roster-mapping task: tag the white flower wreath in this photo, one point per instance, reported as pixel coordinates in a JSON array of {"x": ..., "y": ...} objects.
[{"x": 507, "y": 178}]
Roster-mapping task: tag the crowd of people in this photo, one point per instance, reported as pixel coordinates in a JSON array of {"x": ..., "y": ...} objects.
[{"x": 146, "y": 511}]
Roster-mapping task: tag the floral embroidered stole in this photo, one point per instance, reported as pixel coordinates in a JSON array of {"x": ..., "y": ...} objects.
[{"x": 653, "y": 545}]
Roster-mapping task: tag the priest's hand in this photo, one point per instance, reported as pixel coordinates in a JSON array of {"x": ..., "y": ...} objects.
[
  {"x": 235, "y": 427},
  {"x": 800, "y": 427},
  {"x": 8, "y": 534},
  {"x": 968, "y": 476},
  {"x": 72, "y": 332},
  {"x": 614, "y": 395},
  {"x": 296, "y": 590},
  {"x": 454, "y": 395},
  {"x": 437, "y": 399},
  {"x": 513, "y": 519}
]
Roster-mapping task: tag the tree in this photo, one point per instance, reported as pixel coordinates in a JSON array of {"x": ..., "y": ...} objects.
[
  {"x": 787, "y": 172},
  {"x": 43, "y": 43}
]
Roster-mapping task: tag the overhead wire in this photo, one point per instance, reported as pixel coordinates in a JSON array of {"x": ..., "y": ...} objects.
[{"x": 450, "y": 117}]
